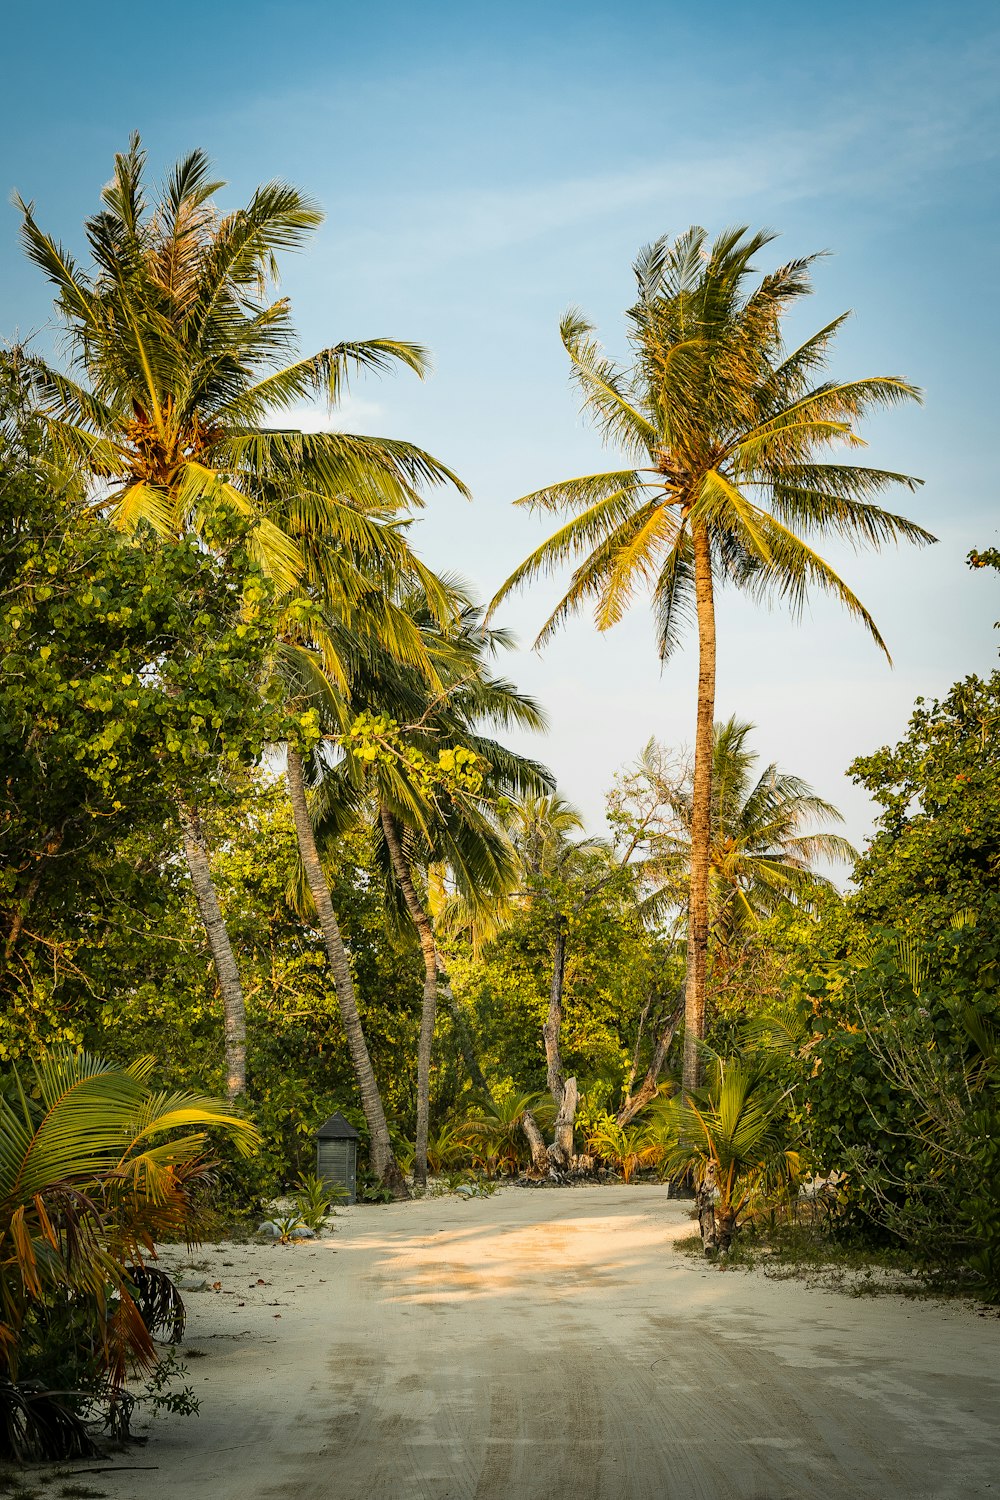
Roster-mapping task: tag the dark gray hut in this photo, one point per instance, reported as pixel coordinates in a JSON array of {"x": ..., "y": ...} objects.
[{"x": 337, "y": 1155}]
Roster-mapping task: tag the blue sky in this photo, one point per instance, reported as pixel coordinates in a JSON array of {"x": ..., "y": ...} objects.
[{"x": 482, "y": 168}]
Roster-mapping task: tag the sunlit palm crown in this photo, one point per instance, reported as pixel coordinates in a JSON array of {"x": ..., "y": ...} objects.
[
  {"x": 722, "y": 428},
  {"x": 180, "y": 361},
  {"x": 453, "y": 704},
  {"x": 764, "y": 840}
]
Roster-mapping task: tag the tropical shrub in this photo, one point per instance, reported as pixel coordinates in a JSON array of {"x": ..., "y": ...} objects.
[
  {"x": 626, "y": 1148},
  {"x": 733, "y": 1137},
  {"x": 495, "y": 1134},
  {"x": 95, "y": 1165}
]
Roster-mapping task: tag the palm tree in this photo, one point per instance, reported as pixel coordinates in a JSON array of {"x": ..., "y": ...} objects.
[
  {"x": 179, "y": 361},
  {"x": 497, "y": 1130},
  {"x": 95, "y": 1164},
  {"x": 441, "y": 717},
  {"x": 760, "y": 854},
  {"x": 733, "y": 1137},
  {"x": 723, "y": 433}
]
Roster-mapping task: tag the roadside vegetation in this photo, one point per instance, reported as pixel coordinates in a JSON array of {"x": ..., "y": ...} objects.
[{"x": 268, "y": 853}]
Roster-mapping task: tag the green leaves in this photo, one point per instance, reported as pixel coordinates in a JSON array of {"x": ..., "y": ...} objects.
[
  {"x": 87, "y": 1181},
  {"x": 728, "y": 434},
  {"x": 129, "y": 672},
  {"x": 179, "y": 360}
]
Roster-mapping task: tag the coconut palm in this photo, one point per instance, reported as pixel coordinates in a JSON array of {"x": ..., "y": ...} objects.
[
  {"x": 762, "y": 843},
  {"x": 182, "y": 366},
  {"x": 723, "y": 433},
  {"x": 627, "y": 1148},
  {"x": 435, "y": 801},
  {"x": 733, "y": 1137}
]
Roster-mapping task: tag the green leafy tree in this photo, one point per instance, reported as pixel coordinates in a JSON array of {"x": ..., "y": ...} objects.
[
  {"x": 902, "y": 993},
  {"x": 179, "y": 364},
  {"x": 724, "y": 434},
  {"x": 128, "y": 679},
  {"x": 565, "y": 961},
  {"x": 150, "y": 986}
]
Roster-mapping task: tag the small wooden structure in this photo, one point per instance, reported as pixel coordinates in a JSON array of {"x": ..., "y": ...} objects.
[{"x": 337, "y": 1155}]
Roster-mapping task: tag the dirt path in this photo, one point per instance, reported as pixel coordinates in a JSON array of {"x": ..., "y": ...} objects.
[{"x": 553, "y": 1344}]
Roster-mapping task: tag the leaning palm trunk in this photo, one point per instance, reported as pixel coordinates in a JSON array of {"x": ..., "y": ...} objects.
[
  {"x": 701, "y": 817},
  {"x": 563, "y": 1090},
  {"x": 383, "y": 1160},
  {"x": 230, "y": 988},
  {"x": 428, "y": 1012}
]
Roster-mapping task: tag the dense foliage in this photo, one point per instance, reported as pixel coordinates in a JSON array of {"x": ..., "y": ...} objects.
[
  {"x": 904, "y": 992},
  {"x": 262, "y": 828},
  {"x": 129, "y": 678}
]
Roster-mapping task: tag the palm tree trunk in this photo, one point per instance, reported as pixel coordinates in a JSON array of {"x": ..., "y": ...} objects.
[
  {"x": 383, "y": 1161},
  {"x": 562, "y": 1089},
  {"x": 701, "y": 815},
  {"x": 230, "y": 988},
  {"x": 428, "y": 1013}
]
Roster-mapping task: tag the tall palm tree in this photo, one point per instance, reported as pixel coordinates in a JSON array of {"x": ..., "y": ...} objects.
[
  {"x": 724, "y": 434},
  {"x": 180, "y": 358},
  {"x": 763, "y": 839},
  {"x": 448, "y": 819}
]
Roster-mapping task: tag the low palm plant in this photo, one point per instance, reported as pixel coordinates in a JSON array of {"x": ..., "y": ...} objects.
[
  {"x": 95, "y": 1165},
  {"x": 626, "y": 1148},
  {"x": 733, "y": 1137},
  {"x": 447, "y": 1147},
  {"x": 314, "y": 1200},
  {"x": 496, "y": 1135}
]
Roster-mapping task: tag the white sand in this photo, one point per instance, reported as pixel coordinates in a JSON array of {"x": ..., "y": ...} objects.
[{"x": 553, "y": 1344}]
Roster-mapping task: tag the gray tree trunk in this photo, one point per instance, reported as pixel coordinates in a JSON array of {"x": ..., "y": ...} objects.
[
  {"x": 561, "y": 1150},
  {"x": 563, "y": 1090},
  {"x": 383, "y": 1160},
  {"x": 701, "y": 815},
  {"x": 553, "y": 1021},
  {"x": 230, "y": 988},
  {"x": 650, "y": 1085},
  {"x": 428, "y": 1012},
  {"x": 540, "y": 1161}
]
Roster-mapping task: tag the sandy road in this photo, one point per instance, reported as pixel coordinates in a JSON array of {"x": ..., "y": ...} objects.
[{"x": 553, "y": 1344}]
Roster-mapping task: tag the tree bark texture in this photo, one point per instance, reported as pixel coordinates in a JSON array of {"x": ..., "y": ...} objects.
[
  {"x": 553, "y": 1022},
  {"x": 383, "y": 1161},
  {"x": 701, "y": 815},
  {"x": 561, "y": 1150},
  {"x": 540, "y": 1160},
  {"x": 428, "y": 1012},
  {"x": 636, "y": 1102},
  {"x": 705, "y": 1204},
  {"x": 230, "y": 988}
]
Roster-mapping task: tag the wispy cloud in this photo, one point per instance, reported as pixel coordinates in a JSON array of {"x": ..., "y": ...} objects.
[
  {"x": 933, "y": 114},
  {"x": 352, "y": 414}
]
